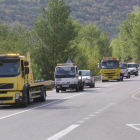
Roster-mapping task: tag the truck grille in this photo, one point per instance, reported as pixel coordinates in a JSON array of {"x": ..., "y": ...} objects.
[
  {"x": 6, "y": 98},
  {"x": 109, "y": 73},
  {"x": 6, "y": 86}
]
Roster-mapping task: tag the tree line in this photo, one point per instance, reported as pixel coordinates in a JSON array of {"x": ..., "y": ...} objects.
[{"x": 54, "y": 38}]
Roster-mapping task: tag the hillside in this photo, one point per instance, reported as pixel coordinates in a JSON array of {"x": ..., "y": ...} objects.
[{"x": 105, "y": 14}]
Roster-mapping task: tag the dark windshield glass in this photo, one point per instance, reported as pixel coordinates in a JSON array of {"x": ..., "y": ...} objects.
[
  {"x": 65, "y": 71},
  {"x": 123, "y": 66},
  {"x": 11, "y": 68},
  {"x": 132, "y": 65},
  {"x": 85, "y": 73},
  {"x": 109, "y": 65}
]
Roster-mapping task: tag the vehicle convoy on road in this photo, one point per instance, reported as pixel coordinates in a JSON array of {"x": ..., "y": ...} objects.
[
  {"x": 124, "y": 69},
  {"x": 110, "y": 69},
  {"x": 133, "y": 68},
  {"x": 88, "y": 78},
  {"x": 16, "y": 81},
  {"x": 66, "y": 77}
]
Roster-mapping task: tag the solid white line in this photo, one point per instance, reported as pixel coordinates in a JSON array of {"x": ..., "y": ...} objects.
[
  {"x": 86, "y": 118},
  {"x": 133, "y": 96},
  {"x": 45, "y": 104},
  {"x": 110, "y": 85},
  {"x": 91, "y": 115},
  {"x": 132, "y": 125},
  {"x": 80, "y": 121},
  {"x": 63, "y": 133}
]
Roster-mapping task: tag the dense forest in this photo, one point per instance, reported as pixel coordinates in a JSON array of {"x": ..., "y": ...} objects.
[{"x": 104, "y": 14}]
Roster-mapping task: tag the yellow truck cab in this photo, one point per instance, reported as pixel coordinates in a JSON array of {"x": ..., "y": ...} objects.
[
  {"x": 110, "y": 69},
  {"x": 16, "y": 81}
]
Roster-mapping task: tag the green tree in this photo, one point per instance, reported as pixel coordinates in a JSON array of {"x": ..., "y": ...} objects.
[{"x": 51, "y": 36}]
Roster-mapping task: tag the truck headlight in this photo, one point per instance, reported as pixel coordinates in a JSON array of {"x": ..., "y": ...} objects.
[
  {"x": 117, "y": 76},
  {"x": 103, "y": 77},
  {"x": 17, "y": 96}
]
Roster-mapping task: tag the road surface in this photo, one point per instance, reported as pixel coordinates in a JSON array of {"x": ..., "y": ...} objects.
[{"x": 110, "y": 111}]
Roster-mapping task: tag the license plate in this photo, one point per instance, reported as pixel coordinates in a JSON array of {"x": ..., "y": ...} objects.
[
  {"x": 65, "y": 85},
  {"x": 109, "y": 78},
  {"x": 1, "y": 102},
  {"x": 58, "y": 86}
]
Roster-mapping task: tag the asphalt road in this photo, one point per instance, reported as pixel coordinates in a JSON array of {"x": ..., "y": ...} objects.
[{"x": 110, "y": 111}]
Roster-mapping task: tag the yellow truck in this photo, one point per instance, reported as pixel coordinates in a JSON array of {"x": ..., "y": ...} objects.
[
  {"x": 16, "y": 81},
  {"x": 110, "y": 69}
]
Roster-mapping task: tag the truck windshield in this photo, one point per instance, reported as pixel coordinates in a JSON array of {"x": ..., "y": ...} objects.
[
  {"x": 109, "y": 65},
  {"x": 124, "y": 66},
  {"x": 85, "y": 73},
  {"x": 63, "y": 71},
  {"x": 9, "y": 68},
  {"x": 132, "y": 65}
]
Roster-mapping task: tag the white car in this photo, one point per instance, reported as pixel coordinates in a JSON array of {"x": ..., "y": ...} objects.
[
  {"x": 88, "y": 78},
  {"x": 124, "y": 69},
  {"x": 133, "y": 68}
]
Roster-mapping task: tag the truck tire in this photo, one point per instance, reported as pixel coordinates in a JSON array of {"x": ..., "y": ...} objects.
[
  {"x": 136, "y": 74},
  {"x": 57, "y": 90},
  {"x": 94, "y": 84},
  {"x": 119, "y": 80},
  {"x": 25, "y": 104},
  {"x": 122, "y": 78},
  {"x": 81, "y": 88},
  {"x": 77, "y": 89},
  {"x": 103, "y": 80},
  {"x": 43, "y": 94},
  {"x": 91, "y": 85}
]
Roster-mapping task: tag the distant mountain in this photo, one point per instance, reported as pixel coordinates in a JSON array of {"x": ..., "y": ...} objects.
[{"x": 105, "y": 14}]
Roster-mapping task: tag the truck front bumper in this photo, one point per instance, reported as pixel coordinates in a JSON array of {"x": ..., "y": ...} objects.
[
  {"x": 10, "y": 98},
  {"x": 110, "y": 77},
  {"x": 71, "y": 86}
]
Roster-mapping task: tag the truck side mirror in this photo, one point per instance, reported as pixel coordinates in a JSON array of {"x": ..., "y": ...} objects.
[
  {"x": 79, "y": 72},
  {"x": 26, "y": 70},
  {"x": 26, "y": 63}
]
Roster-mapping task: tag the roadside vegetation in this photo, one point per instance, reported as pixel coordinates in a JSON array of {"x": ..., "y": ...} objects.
[{"x": 56, "y": 36}]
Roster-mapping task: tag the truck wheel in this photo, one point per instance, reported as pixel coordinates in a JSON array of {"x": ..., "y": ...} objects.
[
  {"x": 77, "y": 89},
  {"x": 94, "y": 84},
  {"x": 119, "y": 80},
  {"x": 25, "y": 104},
  {"x": 102, "y": 80},
  {"x": 43, "y": 94},
  {"x": 57, "y": 90},
  {"x": 81, "y": 88},
  {"x": 91, "y": 85}
]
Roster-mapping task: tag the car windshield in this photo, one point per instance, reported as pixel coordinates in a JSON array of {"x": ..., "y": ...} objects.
[
  {"x": 65, "y": 70},
  {"x": 132, "y": 65},
  {"x": 85, "y": 73},
  {"x": 11, "y": 68},
  {"x": 123, "y": 66},
  {"x": 109, "y": 65}
]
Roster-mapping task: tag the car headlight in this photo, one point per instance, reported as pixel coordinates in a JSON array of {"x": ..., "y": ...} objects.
[{"x": 17, "y": 96}]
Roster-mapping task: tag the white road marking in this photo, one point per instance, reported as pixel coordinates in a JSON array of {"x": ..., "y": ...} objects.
[
  {"x": 134, "y": 126},
  {"x": 86, "y": 118},
  {"x": 110, "y": 85},
  {"x": 47, "y": 104},
  {"x": 91, "y": 115},
  {"x": 80, "y": 121},
  {"x": 63, "y": 132},
  {"x": 133, "y": 96},
  {"x": 135, "y": 90},
  {"x": 96, "y": 112}
]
